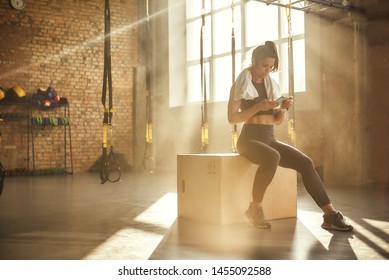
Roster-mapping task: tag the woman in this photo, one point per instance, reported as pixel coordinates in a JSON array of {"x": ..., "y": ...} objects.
[{"x": 252, "y": 101}]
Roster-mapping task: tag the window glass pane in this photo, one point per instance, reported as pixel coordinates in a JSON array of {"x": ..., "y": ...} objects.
[
  {"x": 207, "y": 39},
  {"x": 193, "y": 7},
  {"x": 297, "y": 22},
  {"x": 237, "y": 28},
  {"x": 298, "y": 66},
  {"x": 283, "y": 68},
  {"x": 194, "y": 82},
  {"x": 238, "y": 65},
  {"x": 223, "y": 30},
  {"x": 222, "y": 33},
  {"x": 194, "y": 86},
  {"x": 222, "y": 76},
  {"x": 217, "y": 4},
  {"x": 261, "y": 23},
  {"x": 193, "y": 39},
  {"x": 192, "y": 43}
]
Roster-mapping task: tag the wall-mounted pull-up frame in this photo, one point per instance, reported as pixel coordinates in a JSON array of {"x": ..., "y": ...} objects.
[{"x": 314, "y": 5}]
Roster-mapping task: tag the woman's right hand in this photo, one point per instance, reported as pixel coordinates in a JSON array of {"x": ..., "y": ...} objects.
[{"x": 266, "y": 105}]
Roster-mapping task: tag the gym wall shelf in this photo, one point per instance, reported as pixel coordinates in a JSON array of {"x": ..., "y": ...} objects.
[
  {"x": 38, "y": 119},
  {"x": 17, "y": 115}
]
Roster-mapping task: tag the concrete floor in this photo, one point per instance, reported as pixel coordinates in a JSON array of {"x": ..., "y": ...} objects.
[{"x": 75, "y": 217}]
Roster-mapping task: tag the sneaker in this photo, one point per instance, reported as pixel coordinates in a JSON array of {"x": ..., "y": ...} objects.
[
  {"x": 257, "y": 217},
  {"x": 336, "y": 221}
]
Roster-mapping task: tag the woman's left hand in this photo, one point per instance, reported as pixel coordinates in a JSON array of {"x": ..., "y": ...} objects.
[{"x": 287, "y": 103}]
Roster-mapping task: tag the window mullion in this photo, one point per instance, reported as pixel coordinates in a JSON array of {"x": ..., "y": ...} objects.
[
  {"x": 211, "y": 58},
  {"x": 243, "y": 29},
  {"x": 282, "y": 74}
]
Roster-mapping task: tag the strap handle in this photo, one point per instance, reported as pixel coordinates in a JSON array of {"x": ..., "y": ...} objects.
[
  {"x": 106, "y": 159},
  {"x": 234, "y": 127},
  {"x": 291, "y": 114},
  {"x": 204, "y": 104}
]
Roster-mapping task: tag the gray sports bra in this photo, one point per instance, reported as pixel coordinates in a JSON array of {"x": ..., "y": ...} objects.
[{"x": 245, "y": 104}]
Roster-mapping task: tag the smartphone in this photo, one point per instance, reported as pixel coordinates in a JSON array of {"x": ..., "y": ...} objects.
[{"x": 281, "y": 99}]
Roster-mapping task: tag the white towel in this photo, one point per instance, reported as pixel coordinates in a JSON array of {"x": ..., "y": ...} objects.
[{"x": 244, "y": 88}]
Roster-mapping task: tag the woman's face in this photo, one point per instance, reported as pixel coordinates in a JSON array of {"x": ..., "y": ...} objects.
[{"x": 263, "y": 67}]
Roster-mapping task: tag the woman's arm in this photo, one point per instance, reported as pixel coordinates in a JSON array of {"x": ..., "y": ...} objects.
[
  {"x": 236, "y": 116},
  {"x": 281, "y": 113},
  {"x": 279, "y": 116}
]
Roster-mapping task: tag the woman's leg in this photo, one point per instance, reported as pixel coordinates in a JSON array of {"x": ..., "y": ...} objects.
[
  {"x": 295, "y": 159},
  {"x": 267, "y": 158}
]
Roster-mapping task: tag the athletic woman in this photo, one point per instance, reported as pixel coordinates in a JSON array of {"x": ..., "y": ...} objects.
[{"x": 253, "y": 101}]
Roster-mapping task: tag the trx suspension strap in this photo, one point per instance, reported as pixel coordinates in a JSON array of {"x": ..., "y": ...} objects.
[
  {"x": 234, "y": 127},
  {"x": 147, "y": 158},
  {"x": 2, "y": 176},
  {"x": 2, "y": 170},
  {"x": 204, "y": 105},
  {"x": 109, "y": 163},
  {"x": 291, "y": 115}
]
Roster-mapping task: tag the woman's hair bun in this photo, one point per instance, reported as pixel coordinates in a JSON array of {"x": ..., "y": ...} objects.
[
  {"x": 270, "y": 45},
  {"x": 269, "y": 49}
]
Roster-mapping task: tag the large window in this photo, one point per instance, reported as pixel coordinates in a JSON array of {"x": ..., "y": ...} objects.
[{"x": 254, "y": 23}]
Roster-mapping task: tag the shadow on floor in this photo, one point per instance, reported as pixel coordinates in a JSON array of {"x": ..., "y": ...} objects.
[{"x": 76, "y": 217}]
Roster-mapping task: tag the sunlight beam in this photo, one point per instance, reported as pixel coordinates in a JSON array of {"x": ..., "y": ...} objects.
[
  {"x": 69, "y": 51},
  {"x": 162, "y": 213},
  {"x": 382, "y": 225},
  {"x": 377, "y": 241},
  {"x": 138, "y": 244},
  {"x": 361, "y": 248}
]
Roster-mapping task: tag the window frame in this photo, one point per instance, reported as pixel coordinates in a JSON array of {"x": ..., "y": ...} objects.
[{"x": 242, "y": 53}]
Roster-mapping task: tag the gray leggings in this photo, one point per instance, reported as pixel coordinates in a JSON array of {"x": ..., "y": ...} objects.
[{"x": 258, "y": 144}]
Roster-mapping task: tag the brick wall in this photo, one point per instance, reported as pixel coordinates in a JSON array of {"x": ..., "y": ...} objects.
[{"x": 62, "y": 42}]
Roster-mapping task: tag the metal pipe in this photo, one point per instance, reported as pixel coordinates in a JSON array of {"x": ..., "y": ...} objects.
[
  {"x": 329, "y": 3},
  {"x": 278, "y": 4}
]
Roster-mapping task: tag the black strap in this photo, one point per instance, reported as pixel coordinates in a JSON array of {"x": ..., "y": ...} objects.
[
  {"x": 107, "y": 65},
  {"x": 109, "y": 162},
  {"x": 2, "y": 176},
  {"x": 204, "y": 105},
  {"x": 111, "y": 167},
  {"x": 2, "y": 171},
  {"x": 148, "y": 161},
  {"x": 234, "y": 127},
  {"x": 291, "y": 114}
]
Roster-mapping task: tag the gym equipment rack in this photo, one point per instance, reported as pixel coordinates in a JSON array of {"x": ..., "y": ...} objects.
[{"x": 23, "y": 111}]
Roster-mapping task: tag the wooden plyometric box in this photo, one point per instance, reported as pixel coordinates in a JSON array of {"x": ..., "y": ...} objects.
[{"x": 216, "y": 188}]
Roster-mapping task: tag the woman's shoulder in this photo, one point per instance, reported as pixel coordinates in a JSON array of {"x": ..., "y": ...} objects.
[{"x": 243, "y": 74}]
